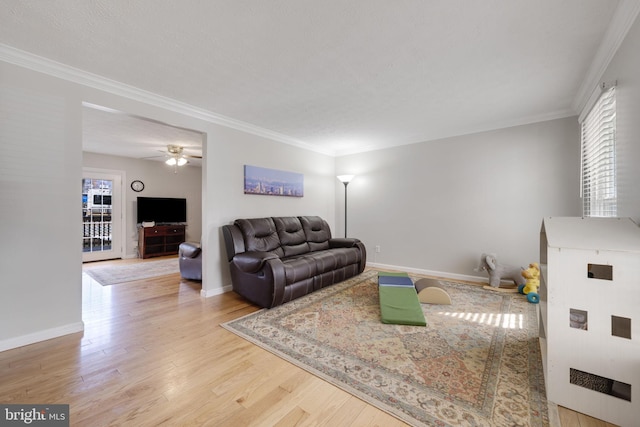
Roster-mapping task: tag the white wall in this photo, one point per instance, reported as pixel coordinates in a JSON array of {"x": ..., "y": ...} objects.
[
  {"x": 225, "y": 199},
  {"x": 40, "y": 208},
  {"x": 436, "y": 206},
  {"x": 625, "y": 68},
  {"x": 160, "y": 181},
  {"x": 41, "y": 123}
]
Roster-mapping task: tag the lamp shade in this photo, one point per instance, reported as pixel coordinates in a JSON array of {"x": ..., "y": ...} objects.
[{"x": 345, "y": 178}]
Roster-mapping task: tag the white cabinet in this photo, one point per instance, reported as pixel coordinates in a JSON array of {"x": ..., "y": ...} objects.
[{"x": 590, "y": 315}]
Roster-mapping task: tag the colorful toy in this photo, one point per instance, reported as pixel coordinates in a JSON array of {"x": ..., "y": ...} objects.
[
  {"x": 498, "y": 272},
  {"x": 530, "y": 288}
]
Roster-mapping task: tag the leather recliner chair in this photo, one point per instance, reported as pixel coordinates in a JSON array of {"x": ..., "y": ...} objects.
[{"x": 190, "y": 260}]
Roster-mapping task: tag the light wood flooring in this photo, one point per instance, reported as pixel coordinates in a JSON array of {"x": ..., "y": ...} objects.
[{"x": 153, "y": 353}]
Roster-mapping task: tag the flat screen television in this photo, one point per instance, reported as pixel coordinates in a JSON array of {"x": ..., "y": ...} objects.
[{"x": 162, "y": 210}]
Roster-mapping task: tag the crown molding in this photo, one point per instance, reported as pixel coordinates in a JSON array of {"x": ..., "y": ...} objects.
[
  {"x": 621, "y": 22},
  {"x": 486, "y": 127},
  {"x": 56, "y": 69}
]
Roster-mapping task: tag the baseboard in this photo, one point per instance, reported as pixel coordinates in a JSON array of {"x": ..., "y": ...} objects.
[
  {"x": 214, "y": 292},
  {"x": 35, "y": 337},
  {"x": 452, "y": 276},
  {"x": 443, "y": 274}
]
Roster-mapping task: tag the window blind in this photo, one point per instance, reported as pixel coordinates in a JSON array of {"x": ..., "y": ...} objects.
[{"x": 599, "y": 158}]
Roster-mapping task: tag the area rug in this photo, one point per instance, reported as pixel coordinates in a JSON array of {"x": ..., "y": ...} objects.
[
  {"x": 476, "y": 363},
  {"x": 114, "y": 274}
]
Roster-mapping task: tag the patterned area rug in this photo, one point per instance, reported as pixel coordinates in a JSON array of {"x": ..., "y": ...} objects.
[
  {"x": 114, "y": 274},
  {"x": 476, "y": 363}
]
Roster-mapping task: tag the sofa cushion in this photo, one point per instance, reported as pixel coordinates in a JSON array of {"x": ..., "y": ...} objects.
[
  {"x": 260, "y": 234},
  {"x": 292, "y": 238},
  {"x": 299, "y": 268},
  {"x": 333, "y": 259},
  {"x": 316, "y": 231}
]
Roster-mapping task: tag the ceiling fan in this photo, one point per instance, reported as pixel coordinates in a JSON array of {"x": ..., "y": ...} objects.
[{"x": 177, "y": 157}]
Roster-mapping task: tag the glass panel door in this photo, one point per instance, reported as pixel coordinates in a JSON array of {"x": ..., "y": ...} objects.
[{"x": 100, "y": 217}]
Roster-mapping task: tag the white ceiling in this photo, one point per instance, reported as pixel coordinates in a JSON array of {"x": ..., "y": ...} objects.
[
  {"x": 106, "y": 131},
  {"x": 337, "y": 76}
]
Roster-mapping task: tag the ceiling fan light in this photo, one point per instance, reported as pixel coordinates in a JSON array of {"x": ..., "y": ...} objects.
[
  {"x": 182, "y": 161},
  {"x": 171, "y": 161}
]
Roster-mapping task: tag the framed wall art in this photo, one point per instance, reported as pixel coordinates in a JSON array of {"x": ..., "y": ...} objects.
[{"x": 272, "y": 182}]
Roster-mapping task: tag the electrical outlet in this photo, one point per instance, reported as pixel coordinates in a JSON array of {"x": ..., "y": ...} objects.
[{"x": 377, "y": 249}]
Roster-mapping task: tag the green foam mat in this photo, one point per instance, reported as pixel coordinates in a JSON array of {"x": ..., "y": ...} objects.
[
  {"x": 399, "y": 305},
  {"x": 393, "y": 274}
]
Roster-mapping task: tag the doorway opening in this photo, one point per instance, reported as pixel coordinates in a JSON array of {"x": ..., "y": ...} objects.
[{"x": 101, "y": 215}]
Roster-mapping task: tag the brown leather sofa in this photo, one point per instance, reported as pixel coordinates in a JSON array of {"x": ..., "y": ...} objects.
[{"x": 275, "y": 260}]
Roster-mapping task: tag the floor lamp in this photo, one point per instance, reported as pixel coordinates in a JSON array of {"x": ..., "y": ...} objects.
[{"x": 345, "y": 179}]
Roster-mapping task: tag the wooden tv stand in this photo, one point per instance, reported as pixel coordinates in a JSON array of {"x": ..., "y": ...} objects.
[{"x": 160, "y": 240}]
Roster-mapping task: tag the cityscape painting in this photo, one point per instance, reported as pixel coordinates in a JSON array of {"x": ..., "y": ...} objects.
[{"x": 272, "y": 182}]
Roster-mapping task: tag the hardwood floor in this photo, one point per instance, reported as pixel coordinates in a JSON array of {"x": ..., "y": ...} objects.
[{"x": 153, "y": 353}]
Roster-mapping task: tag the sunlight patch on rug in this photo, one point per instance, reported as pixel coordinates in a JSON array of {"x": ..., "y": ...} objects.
[
  {"x": 507, "y": 320},
  {"x": 476, "y": 363}
]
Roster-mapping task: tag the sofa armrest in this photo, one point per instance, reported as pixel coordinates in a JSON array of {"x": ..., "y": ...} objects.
[
  {"x": 252, "y": 261},
  {"x": 189, "y": 250},
  {"x": 233, "y": 240},
  {"x": 343, "y": 242}
]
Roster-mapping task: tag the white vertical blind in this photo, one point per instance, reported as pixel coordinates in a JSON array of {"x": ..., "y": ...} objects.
[{"x": 599, "y": 158}]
